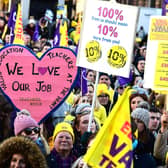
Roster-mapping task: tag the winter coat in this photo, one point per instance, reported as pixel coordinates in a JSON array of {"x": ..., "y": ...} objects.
[
  {"x": 24, "y": 146},
  {"x": 54, "y": 160},
  {"x": 161, "y": 147}
]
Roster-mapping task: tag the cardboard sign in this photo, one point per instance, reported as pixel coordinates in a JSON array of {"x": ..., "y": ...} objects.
[
  {"x": 39, "y": 85},
  {"x": 107, "y": 37},
  {"x": 156, "y": 73}
]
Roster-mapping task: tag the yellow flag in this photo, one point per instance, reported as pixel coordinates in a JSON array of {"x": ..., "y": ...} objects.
[
  {"x": 64, "y": 35},
  {"x": 112, "y": 146},
  {"x": 19, "y": 39},
  {"x": 77, "y": 31}
]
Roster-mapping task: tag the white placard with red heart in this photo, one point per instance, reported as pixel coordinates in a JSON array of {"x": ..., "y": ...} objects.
[{"x": 39, "y": 85}]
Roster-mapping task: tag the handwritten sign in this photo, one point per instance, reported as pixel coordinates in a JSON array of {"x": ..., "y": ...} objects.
[
  {"x": 107, "y": 37},
  {"x": 156, "y": 72},
  {"x": 38, "y": 85}
]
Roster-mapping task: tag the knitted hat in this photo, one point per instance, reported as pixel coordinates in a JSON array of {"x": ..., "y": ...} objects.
[
  {"x": 102, "y": 89},
  {"x": 144, "y": 104},
  {"x": 32, "y": 21},
  {"x": 22, "y": 122},
  {"x": 82, "y": 108},
  {"x": 141, "y": 114},
  {"x": 63, "y": 126}
]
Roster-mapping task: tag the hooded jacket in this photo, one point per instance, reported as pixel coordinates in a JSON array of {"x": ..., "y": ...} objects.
[{"x": 24, "y": 146}]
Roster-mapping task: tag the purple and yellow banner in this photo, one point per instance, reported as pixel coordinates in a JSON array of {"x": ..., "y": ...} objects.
[{"x": 113, "y": 144}]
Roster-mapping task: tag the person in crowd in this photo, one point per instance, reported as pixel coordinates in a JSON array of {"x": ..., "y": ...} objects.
[
  {"x": 7, "y": 116},
  {"x": 2, "y": 25},
  {"x": 80, "y": 163},
  {"x": 30, "y": 27},
  {"x": 21, "y": 152},
  {"x": 99, "y": 110},
  {"x": 154, "y": 121},
  {"x": 137, "y": 81},
  {"x": 140, "y": 158},
  {"x": 25, "y": 125},
  {"x": 135, "y": 98},
  {"x": 7, "y": 39},
  {"x": 107, "y": 79},
  {"x": 62, "y": 155},
  {"x": 47, "y": 45},
  {"x": 45, "y": 29},
  {"x": 91, "y": 75},
  {"x": 142, "y": 51},
  {"x": 104, "y": 97},
  {"x": 119, "y": 88},
  {"x": 160, "y": 147},
  {"x": 80, "y": 126},
  {"x": 141, "y": 118},
  {"x": 139, "y": 66},
  {"x": 27, "y": 40}
]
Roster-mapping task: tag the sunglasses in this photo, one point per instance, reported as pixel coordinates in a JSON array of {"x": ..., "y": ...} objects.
[{"x": 28, "y": 131}]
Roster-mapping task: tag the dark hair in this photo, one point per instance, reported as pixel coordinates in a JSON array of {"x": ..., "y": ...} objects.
[{"x": 154, "y": 109}]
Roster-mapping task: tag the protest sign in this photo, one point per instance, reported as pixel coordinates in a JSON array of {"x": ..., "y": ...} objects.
[
  {"x": 156, "y": 72},
  {"x": 39, "y": 85},
  {"x": 107, "y": 37}
]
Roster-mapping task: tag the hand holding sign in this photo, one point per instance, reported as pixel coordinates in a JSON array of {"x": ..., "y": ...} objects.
[{"x": 38, "y": 85}]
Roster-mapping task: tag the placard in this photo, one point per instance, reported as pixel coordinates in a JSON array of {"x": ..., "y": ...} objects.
[
  {"x": 107, "y": 37},
  {"x": 156, "y": 66},
  {"x": 39, "y": 85}
]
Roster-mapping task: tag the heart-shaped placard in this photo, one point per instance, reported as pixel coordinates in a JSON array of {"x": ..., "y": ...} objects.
[{"x": 39, "y": 85}]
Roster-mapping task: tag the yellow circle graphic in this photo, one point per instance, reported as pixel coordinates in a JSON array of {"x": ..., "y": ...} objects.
[
  {"x": 117, "y": 57},
  {"x": 93, "y": 51}
]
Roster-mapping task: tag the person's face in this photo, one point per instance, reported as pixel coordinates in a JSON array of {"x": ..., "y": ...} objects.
[
  {"x": 31, "y": 132},
  {"x": 27, "y": 39},
  {"x": 83, "y": 124},
  {"x": 17, "y": 161},
  {"x": 154, "y": 121},
  {"x": 135, "y": 101},
  {"x": 141, "y": 66},
  {"x": 2, "y": 22},
  {"x": 90, "y": 93},
  {"x": 103, "y": 99},
  {"x": 83, "y": 99},
  {"x": 91, "y": 76},
  {"x": 63, "y": 142},
  {"x": 140, "y": 125},
  {"x": 105, "y": 79},
  {"x": 137, "y": 80},
  {"x": 7, "y": 38}
]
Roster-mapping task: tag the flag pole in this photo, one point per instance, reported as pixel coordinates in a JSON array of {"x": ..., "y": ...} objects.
[{"x": 93, "y": 101}]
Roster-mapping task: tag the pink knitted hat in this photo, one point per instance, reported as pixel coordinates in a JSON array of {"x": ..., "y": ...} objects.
[{"x": 22, "y": 122}]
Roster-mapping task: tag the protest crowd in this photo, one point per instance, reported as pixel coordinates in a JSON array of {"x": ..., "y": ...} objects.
[{"x": 63, "y": 138}]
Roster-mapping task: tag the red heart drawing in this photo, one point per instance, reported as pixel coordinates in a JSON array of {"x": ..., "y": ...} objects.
[{"x": 39, "y": 85}]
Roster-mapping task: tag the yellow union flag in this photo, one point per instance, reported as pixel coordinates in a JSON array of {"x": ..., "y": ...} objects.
[
  {"x": 112, "y": 147},
  {"x": 19, "y": 39},
  {"x": 64, "y": 34}
]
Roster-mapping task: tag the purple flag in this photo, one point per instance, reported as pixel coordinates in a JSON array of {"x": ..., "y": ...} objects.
[
  {"x": 11, "y": 23},
  {"x": 123, "y": 81},
  {"x": 82, "y": 81},
  {"x": 36, "y": 33},
  {"x": 165, "y": 8},
  {"x": 56, "y": 40}
]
